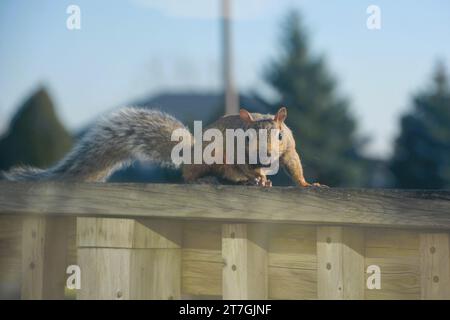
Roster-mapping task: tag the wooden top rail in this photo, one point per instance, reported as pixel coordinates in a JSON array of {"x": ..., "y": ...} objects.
[{"x": 374, "y": 207}]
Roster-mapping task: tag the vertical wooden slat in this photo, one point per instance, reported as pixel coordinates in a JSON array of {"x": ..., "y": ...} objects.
[
  {"x": 156, "y": 274},
  {"x": 156, "y": 268},
  {"x": 396, "y": 253},
  {"x": 202, "y": 259},
  {"x": 142, "y": 262},
  {"x": 292, "y": 262},
  {"x": 340, "y": 263},
  {"x": 10, "y": 256},
  {"x": 44, "y": 257},
  {"x": 434, "y": 265},
  {"x": 245, "y": 272}
]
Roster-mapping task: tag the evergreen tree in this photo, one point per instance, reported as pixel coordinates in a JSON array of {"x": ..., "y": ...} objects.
[
  {"x": 35, "y": 137},
  {"x": 319, "y": 118},
  {"x": 421, "y": 156}
]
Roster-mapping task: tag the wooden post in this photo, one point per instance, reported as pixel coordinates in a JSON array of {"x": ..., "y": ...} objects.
[
  {"x": 340, "y": 258},
  {"x": 129, "y": 259},
  {"x": 435, "y": 266},
  {"x": 44, "y": 257},
  {"x": 244, "y": 250}
]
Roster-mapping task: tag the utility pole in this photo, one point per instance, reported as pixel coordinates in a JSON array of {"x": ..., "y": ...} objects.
[{"x": 231, "y": 98}]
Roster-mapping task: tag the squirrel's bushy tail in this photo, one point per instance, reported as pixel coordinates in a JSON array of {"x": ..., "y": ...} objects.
[
  {"x": 116, "y": 140},
  {"x": 24, "y": 173}
]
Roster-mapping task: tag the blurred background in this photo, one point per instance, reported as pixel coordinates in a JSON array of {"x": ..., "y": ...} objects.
[{"x": 368, "y": 107}]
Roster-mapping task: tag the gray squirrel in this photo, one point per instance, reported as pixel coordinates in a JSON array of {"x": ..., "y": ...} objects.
[{"x": 133, "y": 133}]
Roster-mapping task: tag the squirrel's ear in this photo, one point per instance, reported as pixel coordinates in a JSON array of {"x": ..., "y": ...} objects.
[
  {"x": 281, "y": 115},
  {"x": 245, "y": 116}
]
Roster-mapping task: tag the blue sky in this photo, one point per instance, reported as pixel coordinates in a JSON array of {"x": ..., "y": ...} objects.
[{"x": 127, "y": 49}]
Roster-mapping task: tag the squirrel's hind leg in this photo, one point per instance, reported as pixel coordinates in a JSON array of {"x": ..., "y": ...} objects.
[{"x": 208, "y": 180}]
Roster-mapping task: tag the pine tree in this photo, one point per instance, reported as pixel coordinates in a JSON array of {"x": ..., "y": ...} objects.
[
  {"x": 318, "y": 116},
  {"x": 421, "y": 156},
  {"x": 35, "y": 137}
]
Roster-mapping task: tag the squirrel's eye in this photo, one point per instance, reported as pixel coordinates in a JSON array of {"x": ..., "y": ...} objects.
[{"x": 280, "y": 136}]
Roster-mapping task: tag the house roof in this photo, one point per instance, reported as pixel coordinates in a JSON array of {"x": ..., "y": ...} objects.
[
  {"x": 199, "y": 106},
  {"x": 192, "y": 106}
]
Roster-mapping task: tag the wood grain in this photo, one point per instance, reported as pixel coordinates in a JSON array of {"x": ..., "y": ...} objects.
[
  {"x": 167, "y": 240},
  {"x": 340, "y": 263},
  {"x": 10, "y": 257},
  {"x": 292, "y": 262},
  {"x": 44, "y": 257},
  {"x": 292, "y": 284},
  {"x": 390, "y": 208},
  {"x": 396, "y": 252},
  {"x": 129, "y": 259},
  {"x": 435, "y": 268},
  {"x": 202, "y": 261},
  {"x": 245, "y": 273}
]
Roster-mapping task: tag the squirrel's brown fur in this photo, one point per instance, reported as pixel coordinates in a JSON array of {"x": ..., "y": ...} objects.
[
  {"x": 247, "y": 173},
  {"x": 132, "y": 133}
]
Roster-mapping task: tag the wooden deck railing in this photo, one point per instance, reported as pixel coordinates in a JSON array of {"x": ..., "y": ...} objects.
[{"x": 136, "y": 241}]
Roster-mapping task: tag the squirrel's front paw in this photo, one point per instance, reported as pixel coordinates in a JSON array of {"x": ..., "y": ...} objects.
[
  {"x": 267, "y": 183},
  {"x": 261, "y": 182},
  {"x": 315, "y": 184}
]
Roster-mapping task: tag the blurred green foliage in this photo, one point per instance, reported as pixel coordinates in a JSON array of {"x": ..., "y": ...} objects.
[
  {"x": 35, "y": 137},
  {"x": 320, "y": 119},
  {"x": 421, "y": 156}
]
